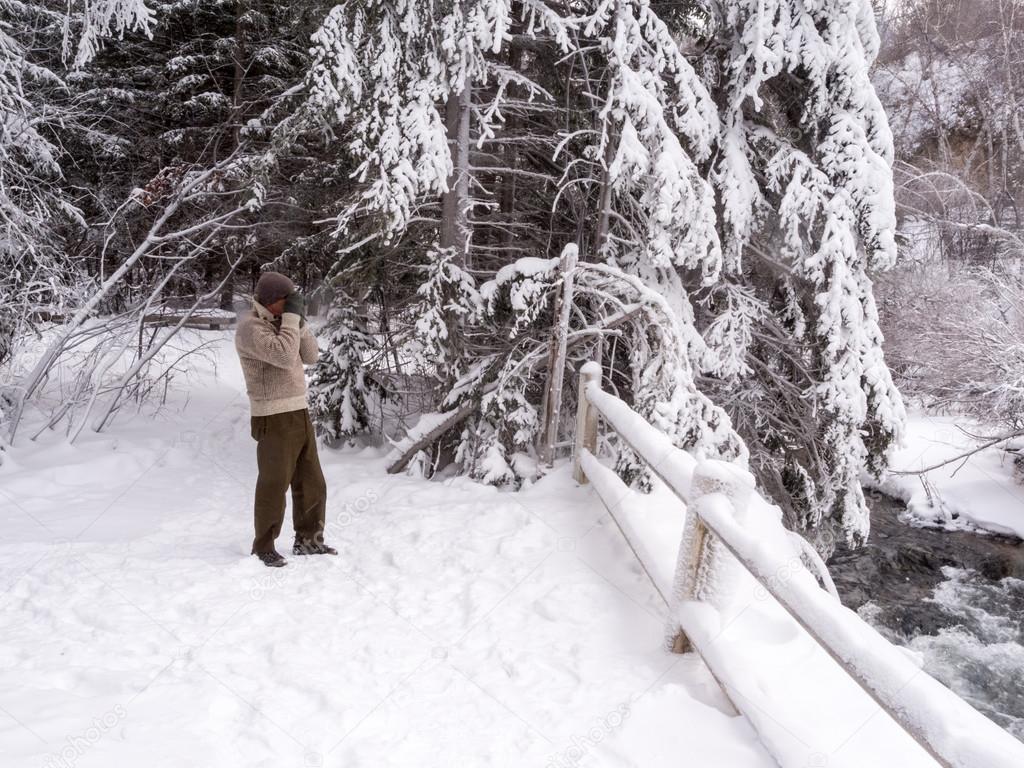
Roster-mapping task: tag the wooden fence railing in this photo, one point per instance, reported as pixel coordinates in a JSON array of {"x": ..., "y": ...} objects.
[{"x": 713, "y": 492}]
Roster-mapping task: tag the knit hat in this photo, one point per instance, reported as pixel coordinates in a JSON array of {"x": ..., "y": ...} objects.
[{"x": 273, "y": 286}]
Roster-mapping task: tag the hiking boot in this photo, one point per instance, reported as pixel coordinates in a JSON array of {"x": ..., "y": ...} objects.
[
  {"x": 312, "y": 548},
  {"x": 271, "y": 559}
]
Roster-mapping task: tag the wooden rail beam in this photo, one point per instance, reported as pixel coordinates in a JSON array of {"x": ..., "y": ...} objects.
[{"x": 586, "y": 420}]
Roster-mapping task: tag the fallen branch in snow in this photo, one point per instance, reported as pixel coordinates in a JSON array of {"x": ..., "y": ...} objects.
[
  {"x": 962, "y": 456},
  {"x": 440, "y": 423},
  {"x": 155, "y": 347},
  {"x": 193, "y": 190}
]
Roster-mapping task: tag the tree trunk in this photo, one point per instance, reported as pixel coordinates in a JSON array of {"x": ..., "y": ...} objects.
[
  {"x": 605, "y": 204},
  {"x": 455, "y": 205}
]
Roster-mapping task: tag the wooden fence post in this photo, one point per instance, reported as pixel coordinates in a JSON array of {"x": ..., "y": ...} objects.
[
  {"x": 699, "y": 553},
  {"x": 586, "y": 419},
  {"x": 552, "y": 404}
]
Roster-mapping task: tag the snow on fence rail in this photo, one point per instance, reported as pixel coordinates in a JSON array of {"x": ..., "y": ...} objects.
[{"x": 719, "y": 497}]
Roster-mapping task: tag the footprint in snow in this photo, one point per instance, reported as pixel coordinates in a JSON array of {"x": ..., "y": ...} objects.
[{"x": 542, "y": 610}]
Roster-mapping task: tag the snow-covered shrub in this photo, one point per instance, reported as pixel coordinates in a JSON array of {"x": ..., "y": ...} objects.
[
  {"x": 472, "y": 342},
  {"x": 954, "y": 335},
  {"x": 504, "y": 335},
  {"x": 446, "y": 300},
  {"x": 506, "y": 427},
  {"x": 481, "y": 453}
]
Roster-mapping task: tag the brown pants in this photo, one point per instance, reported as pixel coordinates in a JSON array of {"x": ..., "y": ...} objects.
[{"x": 286, "y": 456}]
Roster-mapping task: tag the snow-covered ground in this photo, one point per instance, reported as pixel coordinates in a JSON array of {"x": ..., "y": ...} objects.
[
  {"x": 459, "y": 626},
  {"x": 978, "y": 492}
]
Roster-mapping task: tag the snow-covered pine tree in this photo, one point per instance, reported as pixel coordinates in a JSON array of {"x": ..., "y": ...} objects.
[
  {"x": 515, "y": 312},
  {"x": 384, "y": 72},
  {"x": 188, "y": 95},
  {"x": 341, "y": 393},
  {"x": 35, "y": 210},
  {"x": 399, "y": 134},
  {"x": 656, "y": 125},
  {"x": 447, "y": 302},
  {"x": 732, "y": 157},
  {"x": 40, "y": 215},
  {"x": 648, "y": 155}
]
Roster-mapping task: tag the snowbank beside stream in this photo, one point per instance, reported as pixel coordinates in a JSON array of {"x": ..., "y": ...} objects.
[{"x": 978, "y": 492}]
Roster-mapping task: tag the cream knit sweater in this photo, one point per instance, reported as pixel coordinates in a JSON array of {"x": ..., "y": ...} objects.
[{"x": 272, "y": 353}]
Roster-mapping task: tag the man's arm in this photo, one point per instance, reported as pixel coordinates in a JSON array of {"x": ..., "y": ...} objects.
[
  {"x": 309, "y": 350},
  {"x": 281, "y": 349}
]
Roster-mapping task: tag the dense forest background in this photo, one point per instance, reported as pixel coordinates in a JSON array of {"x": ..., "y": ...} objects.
[{"x": 732, "y": 192}]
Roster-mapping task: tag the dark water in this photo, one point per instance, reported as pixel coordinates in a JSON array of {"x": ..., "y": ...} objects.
[{"x": 956, "y": 598}]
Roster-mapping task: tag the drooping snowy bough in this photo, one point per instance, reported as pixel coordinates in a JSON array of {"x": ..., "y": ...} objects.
[{"x": 806, "y": 188}]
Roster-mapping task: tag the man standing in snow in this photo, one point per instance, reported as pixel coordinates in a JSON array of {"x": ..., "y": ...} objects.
[{"x": 273, "y": 342}]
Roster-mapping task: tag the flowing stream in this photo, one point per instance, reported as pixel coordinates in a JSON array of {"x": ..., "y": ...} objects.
[{"x": 955, "y": 598}]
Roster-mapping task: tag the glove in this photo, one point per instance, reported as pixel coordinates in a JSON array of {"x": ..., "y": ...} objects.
[{"x": 296, "y": 304}]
